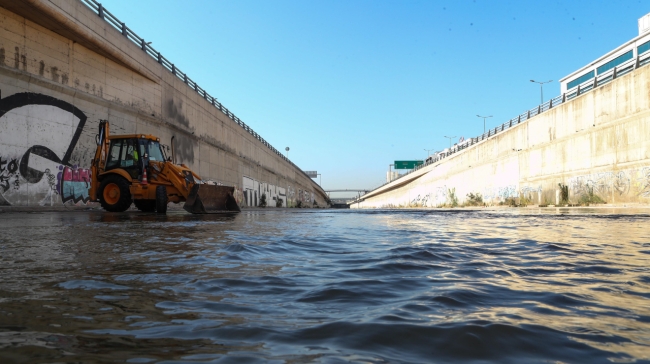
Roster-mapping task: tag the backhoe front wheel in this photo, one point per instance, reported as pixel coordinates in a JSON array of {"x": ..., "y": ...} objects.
[
  {"x": 114, "y": 194},
  {"x": 161, "y": 199}
]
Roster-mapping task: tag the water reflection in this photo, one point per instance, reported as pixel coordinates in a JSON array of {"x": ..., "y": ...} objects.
[{"x": 326, "y": 286}]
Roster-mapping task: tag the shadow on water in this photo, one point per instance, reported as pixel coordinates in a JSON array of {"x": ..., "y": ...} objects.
[
  {"x": 416, "y": 286},
  {"x": 153, "y": 217}
]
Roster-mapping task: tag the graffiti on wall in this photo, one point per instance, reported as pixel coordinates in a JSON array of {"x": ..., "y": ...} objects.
[
  {"x": 37, "y": 138},
  {"x": 596, "y": 183},
  {"x": 252, "y": 191},
  {"x": 8, "y": 172},
  {"x": 621, "y": 183},
  {"x": 73, "y": 184},
  {"x": 631, "y": 182},
  {"x": 533, "y": 194},
  {"x": 420, "y": 200},
  {"x": 291, "y": 195},
  {"x": 500, "y": 193},
  {"x": 239, "y": 196},
  {"x": 644, "y": 182}
]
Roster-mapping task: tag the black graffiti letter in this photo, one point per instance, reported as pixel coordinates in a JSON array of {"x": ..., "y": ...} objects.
[
  {"x": 4, "y": 183},
  {"x": 13, "y": 166}
]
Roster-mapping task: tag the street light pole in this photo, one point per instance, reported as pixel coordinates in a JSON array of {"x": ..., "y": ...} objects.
[
  {"x": 450, "y": 138},
  {"x": 287, "y": 149},
  {"x": 484, "y": 117},
  {"x": 541, "y": 89},
  {"x": 320, "y": 179},
  {"x": 428, "y": 152}
]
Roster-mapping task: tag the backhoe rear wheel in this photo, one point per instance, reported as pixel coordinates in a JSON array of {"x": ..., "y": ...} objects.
[
  {"x": 161, "y": 199},
  {"x": 114, "y": 194}
]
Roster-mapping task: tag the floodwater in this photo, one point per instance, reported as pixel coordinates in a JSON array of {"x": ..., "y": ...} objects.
[{"x": 326, "y": 286}]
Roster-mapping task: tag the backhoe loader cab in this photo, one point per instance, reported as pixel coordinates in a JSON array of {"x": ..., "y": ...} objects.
[{"x": 135, "y": 168}]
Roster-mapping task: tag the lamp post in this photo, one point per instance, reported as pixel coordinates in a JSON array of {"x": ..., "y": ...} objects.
[
  {"x": 484, "y": 117},
  {"x": 428, "y": 152},
  {"x": 320, "y": 179},
  {"x": 390, "y": 172},
  {"x": 450, "y": 138},
  {"x": 541, "y": 88},
  {"x": 287, "y": 149}
]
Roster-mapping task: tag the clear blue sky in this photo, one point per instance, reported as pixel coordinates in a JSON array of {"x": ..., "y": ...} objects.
[{"x": 351, "y": 86}]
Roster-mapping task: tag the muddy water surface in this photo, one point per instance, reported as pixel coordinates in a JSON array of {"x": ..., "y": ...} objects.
[{"x": 289, "y": 286}]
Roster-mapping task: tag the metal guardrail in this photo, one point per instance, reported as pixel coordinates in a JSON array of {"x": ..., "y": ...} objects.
[
  {"x": 606, "y": 77},
  {"x": 146, "y": 47}
]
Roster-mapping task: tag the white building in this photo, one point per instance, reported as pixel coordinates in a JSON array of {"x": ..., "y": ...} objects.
[
  {"x": 624, "y": 58},
  {"x": 392, "y": 175}
]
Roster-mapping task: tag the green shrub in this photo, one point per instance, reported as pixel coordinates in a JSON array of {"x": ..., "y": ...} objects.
[
  {"x": 564, "y": 194},
  {"x": 474, "y": 199},
  {"x": 263, "y": 200},
  {"x": 589, "y": 197},
  {"x": 452, "y": 200}
]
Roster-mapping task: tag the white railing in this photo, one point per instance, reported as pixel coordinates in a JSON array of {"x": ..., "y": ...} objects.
[
  {"x": 146, "y": 47},
  {"x": 599, "y": 80}
]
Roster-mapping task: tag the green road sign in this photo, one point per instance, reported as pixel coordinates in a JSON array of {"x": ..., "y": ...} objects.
[{"x": 407, "y": 164}]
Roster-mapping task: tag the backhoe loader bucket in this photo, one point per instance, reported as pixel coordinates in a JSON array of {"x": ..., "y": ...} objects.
[{"x": 210, "y": 199}]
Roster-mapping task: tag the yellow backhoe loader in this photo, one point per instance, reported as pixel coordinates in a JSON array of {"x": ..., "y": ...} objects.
[{"x": 135, "y": 168}]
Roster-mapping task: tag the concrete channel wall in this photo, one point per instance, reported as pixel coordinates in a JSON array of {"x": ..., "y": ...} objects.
[
  {"x": 63, "y": 68},
  {"x": 596, "y": 147}
]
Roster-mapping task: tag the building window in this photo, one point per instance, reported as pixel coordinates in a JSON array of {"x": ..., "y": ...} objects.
[
  {"x": 643, "y": 48},
  {"x": 615, "y": 62},
  {"x": 587, "y": 76}
]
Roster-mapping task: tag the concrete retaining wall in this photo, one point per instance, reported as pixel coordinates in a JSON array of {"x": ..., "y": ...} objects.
[
  {"x": 597, "y": 145},
  {"x": 62, "y": 69}
]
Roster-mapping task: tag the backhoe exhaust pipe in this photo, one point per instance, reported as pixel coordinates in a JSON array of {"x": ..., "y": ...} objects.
[{"x": 173, "y": 150}]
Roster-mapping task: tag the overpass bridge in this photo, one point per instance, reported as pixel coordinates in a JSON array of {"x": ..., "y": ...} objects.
[{"x": 344, "y": 203}]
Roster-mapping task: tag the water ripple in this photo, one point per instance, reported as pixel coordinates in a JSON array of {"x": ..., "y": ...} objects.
[{"x": 297, "y": 286}]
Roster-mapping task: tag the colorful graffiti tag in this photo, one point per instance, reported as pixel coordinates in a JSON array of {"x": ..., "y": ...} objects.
[{"x": 73, "y": 184}]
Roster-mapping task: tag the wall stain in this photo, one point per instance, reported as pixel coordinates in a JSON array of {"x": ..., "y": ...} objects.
[
  {"x": 41, "y": 68},
  {"x": 212, "y": 140},
  {"x": 55, "y": 74},
  {"x": 184, "y": 148},
  {"x": 174, "y": 112},
  {"x": 64, "y": 78},
  {"x": 2, "y": 56},
  {"x": 17, "y": 57},
  {"x": 23, "y": 60}
]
